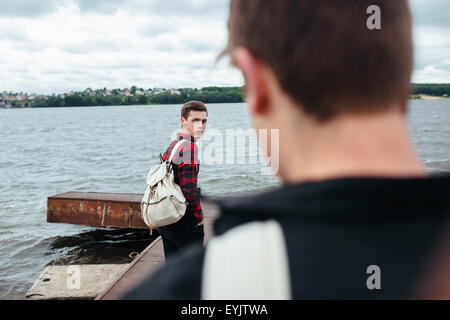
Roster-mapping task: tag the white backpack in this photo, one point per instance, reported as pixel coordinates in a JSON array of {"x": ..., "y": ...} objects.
[{"x": 163, "y": 202}]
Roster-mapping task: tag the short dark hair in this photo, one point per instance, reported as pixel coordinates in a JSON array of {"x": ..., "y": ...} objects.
[
  {"x": 324, "y": 55},
  {"x": 192, "y": 105}
]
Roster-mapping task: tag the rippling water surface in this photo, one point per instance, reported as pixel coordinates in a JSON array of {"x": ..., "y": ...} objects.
[{"x": 110, "y": 149}]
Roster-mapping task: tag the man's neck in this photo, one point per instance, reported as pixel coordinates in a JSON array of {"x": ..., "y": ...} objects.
[
  {"x": 187, "y": 135},
  {"x": 349, "y": 146}
]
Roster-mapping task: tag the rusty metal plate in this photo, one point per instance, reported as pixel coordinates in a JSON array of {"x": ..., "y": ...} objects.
[{"x": 96, "y": 209}]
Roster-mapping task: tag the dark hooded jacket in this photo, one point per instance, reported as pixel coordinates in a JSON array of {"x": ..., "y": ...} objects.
[{"x": 334, "y": 230}]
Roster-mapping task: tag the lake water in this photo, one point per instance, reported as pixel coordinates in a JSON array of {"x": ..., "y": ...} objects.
[{"x": 110, "y": 149}]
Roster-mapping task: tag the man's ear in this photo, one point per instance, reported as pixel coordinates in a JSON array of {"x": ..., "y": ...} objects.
[
  {"x": 183, "y": 122},
  {"x": 254, "y": 72}
]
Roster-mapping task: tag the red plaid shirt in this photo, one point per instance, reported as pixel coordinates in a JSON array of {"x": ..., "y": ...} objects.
[{"x": 185, "y": 168}]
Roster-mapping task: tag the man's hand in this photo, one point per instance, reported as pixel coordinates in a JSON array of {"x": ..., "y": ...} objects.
[{"x": 199, "y": 224}]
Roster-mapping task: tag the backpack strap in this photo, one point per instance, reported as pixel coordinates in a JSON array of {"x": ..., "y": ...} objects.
[
  {"x": 249, "y": 262},
  {"x": 175, "y": 149}
]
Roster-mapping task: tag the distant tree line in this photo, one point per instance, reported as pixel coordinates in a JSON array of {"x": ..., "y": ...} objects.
[
  {"x": 432, "y": 89},
  {"x": 161, "y": 96},
  {"x": 140, "y": 96}
]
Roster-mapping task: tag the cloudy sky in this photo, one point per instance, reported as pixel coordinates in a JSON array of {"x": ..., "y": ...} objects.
[{"x": 55, "y": 46}]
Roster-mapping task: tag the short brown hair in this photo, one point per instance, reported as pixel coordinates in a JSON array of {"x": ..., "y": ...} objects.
[
  {"x": 324, "y": 55},
  {"x": 192, "y": 105}
]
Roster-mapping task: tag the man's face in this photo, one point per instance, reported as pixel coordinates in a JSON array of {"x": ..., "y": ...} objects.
[{"x": 195, "y": 124}]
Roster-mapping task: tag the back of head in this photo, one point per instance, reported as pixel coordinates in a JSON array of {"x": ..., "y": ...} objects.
[{"x": 325, "y": 56}]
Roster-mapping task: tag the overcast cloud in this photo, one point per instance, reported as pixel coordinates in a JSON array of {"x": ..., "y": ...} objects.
[{"x": 55, "y": 46}]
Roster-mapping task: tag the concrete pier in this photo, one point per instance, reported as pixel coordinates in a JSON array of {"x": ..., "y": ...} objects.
[
  {"x": 103, "y": 282},
  {"x": 73, "y": 281}
]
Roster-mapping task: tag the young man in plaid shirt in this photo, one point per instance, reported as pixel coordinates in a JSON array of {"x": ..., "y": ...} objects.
[{"x": 185, "y": 167}]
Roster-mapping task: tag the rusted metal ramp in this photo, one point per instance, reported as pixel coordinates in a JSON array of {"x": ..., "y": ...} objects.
[
  {"x": 96, "y": 209},
  {"x": 119, "y": 210}
]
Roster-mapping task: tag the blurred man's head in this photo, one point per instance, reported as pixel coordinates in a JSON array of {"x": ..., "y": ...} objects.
[
  {"x": 336, "y": 90},
  {"x": 324, "y": 56},
  {"x": 193, "y": 118}
]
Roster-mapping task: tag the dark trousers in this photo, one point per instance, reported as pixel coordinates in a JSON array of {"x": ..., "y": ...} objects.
[{"x": 180, "y": 234}]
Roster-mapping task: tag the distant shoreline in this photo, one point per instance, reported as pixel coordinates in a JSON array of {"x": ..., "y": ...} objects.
[
  {"x": 412, "y": 97},
  {"x": 162, "y": 96},
  {"x": 2, "y": 106},
  {"x": 127, "y": 96},
  {"x": 426, "y": 97}
]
